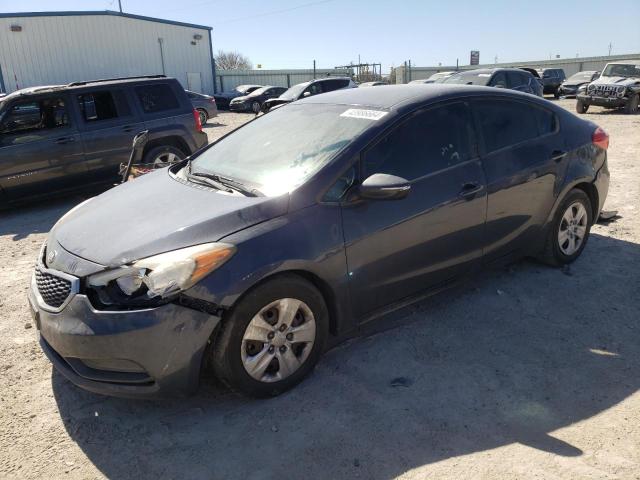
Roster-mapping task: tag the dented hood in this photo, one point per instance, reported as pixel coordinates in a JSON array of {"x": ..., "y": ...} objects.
[
  {"x": 154, "y": 214},
  {"x": 624, "y": 81}
]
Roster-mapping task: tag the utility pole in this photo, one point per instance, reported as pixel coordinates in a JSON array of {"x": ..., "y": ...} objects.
[
  {"x": 120, "y": 5},
  {"x": 610, "y": 47},
  {"x": 314, "y": 69}
]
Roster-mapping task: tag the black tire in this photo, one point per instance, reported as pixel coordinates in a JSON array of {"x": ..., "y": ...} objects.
[
  {"x": 203, "y": 117},
  {"x": 581, "y": 107},
  {"x": 255, "y": 107},
  {"x": 552, "y": 253},
  {"x": 225, "y": 354},
  {"x": 163, "y": 155},
  {"x": 632, "y": 104},
  {"x": 556, "y": 93}
]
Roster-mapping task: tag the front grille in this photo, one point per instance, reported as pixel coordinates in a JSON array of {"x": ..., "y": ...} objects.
[
  {"x": 53, "y": 290},
  {"x": 604, "y": 90}
]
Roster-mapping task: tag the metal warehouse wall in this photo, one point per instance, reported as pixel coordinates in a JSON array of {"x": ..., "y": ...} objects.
[
  {"x": 61, "y": 49},
  {"x": 570, "y": 66},
  {"x": 229, "y": 79}
]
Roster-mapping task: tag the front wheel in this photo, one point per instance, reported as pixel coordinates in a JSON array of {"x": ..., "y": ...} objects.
[
  {"x": 569, "y": 230},
  {"x": 632, "y": 104},
  {"x": 272, "y": 338},
  {"x": 255, "y": 107},
  {"x": 581, "y": 107}
]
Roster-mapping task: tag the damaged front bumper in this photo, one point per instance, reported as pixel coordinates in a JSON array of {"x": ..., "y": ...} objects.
[{"x": 133, "y": 353}]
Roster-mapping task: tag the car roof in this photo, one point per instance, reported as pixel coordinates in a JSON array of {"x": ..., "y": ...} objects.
[
  {"x": 627, "y": 62},
  {"x": 79, "y": 85},
  {"x": 399, "y": 96}
]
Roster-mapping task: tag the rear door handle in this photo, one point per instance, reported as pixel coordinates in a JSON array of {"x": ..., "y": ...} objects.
[
  {"x": 558, "y": 155},
  {"x": 470, "y": 189},
  {"x": 63, "y": 140},
  {"x": 128, "y": 128}
]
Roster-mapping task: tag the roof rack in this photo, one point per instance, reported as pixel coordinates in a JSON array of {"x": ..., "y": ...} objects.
[{"x": 77, "y": 84}]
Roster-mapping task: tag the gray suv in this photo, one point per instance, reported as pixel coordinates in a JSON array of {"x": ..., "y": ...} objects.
[{"x": 67, "y": 137}]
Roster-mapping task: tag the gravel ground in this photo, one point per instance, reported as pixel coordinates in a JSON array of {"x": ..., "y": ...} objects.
[{"x": 524, "y": 372}]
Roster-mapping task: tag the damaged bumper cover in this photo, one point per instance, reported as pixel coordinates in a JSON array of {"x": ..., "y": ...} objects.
[{"x": 133, "y": 353}]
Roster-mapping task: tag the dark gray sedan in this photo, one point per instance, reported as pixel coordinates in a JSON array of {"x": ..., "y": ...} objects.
[
  {"x": 302, "y": 225},
  {"x": 205, "y": 105}
]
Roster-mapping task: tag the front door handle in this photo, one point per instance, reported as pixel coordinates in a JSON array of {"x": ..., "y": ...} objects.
[
  {"x": 558, "y": 155},
  {"x": 63, "y": 140},
  {"x": 470, "y": 189}
]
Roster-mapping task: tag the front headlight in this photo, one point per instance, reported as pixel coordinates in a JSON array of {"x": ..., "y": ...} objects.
[{"x": 160, "y": 276}]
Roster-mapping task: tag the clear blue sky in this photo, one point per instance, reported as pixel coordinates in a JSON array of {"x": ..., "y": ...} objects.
[{"x": 291, "y": 33}]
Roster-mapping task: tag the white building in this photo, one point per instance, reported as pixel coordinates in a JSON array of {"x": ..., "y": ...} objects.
[{"x": 52, "y": 48}]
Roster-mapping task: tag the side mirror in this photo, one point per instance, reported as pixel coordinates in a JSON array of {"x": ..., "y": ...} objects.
[
  {"x": 500, "y": 85},
  {"x": 381, "y": 186},
  {"x": 306, "y": 94}
]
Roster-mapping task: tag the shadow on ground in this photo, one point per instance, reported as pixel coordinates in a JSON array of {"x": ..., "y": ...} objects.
[
  {"x": 510, "y": 357},
  {"x": 25, "y": 219}
]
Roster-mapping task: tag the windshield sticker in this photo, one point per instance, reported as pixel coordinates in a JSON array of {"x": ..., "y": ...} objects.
[{"x": 360, "y": 113}]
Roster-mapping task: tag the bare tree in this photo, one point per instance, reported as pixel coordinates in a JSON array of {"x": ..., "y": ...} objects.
[{"x": 232, "y": 61}]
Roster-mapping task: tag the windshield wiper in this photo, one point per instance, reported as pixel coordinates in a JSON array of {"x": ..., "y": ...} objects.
[
  {"x": 226, "y": 182},
  {"x": 210, "y": 182}
]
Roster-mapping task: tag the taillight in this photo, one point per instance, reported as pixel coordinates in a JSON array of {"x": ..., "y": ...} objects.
[
  {"x": 196, "y": 117},
  {"x": 600, "y": 138}
]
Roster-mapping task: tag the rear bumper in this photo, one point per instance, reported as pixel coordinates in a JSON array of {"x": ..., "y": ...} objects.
[
  {"x": 201, "y": 140},
  {"x": 141, "y": 353},
  {"x": 602, "y": 186},
  {"x": 603, "y": 101}
]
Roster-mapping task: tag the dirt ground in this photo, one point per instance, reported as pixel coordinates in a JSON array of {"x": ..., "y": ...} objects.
[{"x": 524, "y": 372}]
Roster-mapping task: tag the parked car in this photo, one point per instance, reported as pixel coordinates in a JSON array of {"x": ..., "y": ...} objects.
[
  {"x": 378, "y": 83},
  {"x": 618, "y": 86},
  {"x": 205, "y": 105},
  {"x": 570, "y": 86},
  {"x": 510, "y": 78},
  {"x": 223, "y": 99},
  {"x": 552, "y": 78},
  {"x": 297, "y": 228},
  {"x": 253, "y": 102},
  {"x": 308, "y": 89},
  {"x": 437, "y": 77},
  {"x": 66, "y": 137}
]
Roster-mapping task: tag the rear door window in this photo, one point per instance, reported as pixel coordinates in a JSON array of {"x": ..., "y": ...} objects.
[
  {"x": 103, "y": 105},
  {"x": 156, "y": 98},
  {"x": 429, "y": 141},
  {"x": 505, "y": 123}
]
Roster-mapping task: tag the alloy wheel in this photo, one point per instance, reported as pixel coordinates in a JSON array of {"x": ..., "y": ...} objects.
[
  {"x": 573, "y": 228},
  {"x": 165, "y": 159},
  {"x": 278, "y": 340}
]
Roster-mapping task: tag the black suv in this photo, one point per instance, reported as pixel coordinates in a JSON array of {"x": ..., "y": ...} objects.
[
  {"x": 510, "y": 78},
  {"x": 552, "y": 78},
  {"x": 66, "y": 137}
]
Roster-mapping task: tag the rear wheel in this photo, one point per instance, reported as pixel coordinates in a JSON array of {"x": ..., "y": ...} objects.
[
  {"x": 569, "y": 230},
  {"x": 272, "y": 338},
  {"x": 163, "y": 156},
  {"x": 203, "y": 117},
  {"x": 632, "y": 104},
  {"x": 581, "y": 107},
  {"x": 255, "y": 107}
]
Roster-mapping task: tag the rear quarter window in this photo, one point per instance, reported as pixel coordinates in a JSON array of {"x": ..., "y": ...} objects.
[{"x": 156, "y": 98}]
